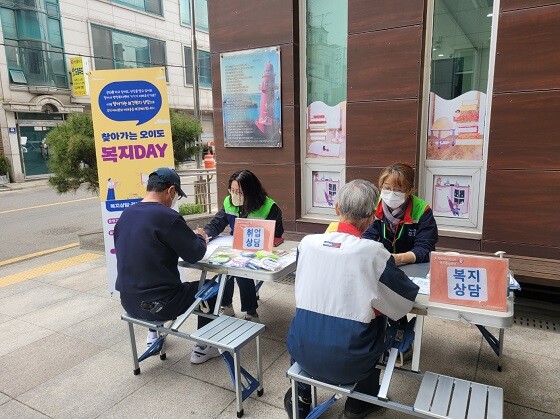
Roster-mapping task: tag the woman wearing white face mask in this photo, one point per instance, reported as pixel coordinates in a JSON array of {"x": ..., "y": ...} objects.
[
  {"x": 247, "y": 199},
  {"x": 403, "y": 222}
]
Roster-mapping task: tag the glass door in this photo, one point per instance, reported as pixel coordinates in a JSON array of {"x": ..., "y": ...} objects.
[{"x": 34, "y": 150}]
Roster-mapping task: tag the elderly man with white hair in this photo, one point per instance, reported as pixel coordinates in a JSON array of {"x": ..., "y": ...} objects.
[{"x": 345, "y": 288}]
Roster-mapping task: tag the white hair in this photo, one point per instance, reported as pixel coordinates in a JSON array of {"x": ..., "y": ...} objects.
[{"x": 357, "y": 199}]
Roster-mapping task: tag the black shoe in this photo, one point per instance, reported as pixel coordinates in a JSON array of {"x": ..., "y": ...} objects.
[
  {"x": 304, "y": 405},
  {"x": 356, "y": 409}
]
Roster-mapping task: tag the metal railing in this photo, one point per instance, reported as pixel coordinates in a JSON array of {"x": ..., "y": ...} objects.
[{"x": 200, "y": 185}]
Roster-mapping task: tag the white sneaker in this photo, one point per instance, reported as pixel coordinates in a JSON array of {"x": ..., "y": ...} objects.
[
  {"x": 202, "y": 353},
  {"x": 151, "y": 338},
  {"x": 252, "y": 318},
  {"x": 227, "y": 310}
]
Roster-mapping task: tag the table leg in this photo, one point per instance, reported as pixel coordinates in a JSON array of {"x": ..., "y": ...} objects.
[
  {"x": 259, "y": 366},
  {"x": 418, "y": 330},
  {"x": 500, "y": 349},
  {"x": 295, "y": 399},
  {"x": 222, "y": 279},
  {"x": 238, "y": 389}
]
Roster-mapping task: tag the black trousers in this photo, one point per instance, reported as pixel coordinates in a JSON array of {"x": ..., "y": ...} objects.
[
  {"x": 247, "y": 293},
  {"x": 175, "y": 304}
]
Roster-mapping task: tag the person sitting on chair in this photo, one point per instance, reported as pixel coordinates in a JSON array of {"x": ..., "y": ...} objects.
[
  {"x": 149, "y": 238},
  {"x": 247, "y": 199},
  {"x": 345, "y": 287}
]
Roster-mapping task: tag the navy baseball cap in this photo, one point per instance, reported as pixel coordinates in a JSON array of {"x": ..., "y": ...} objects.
[{"x": 169, "y": 177}]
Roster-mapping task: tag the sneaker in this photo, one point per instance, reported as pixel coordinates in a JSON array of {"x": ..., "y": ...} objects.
[
  {"x": 304, "y": 405},
  {"x": 151, "y": 338},
  {"x": 407, "y": 355},
  {"x": 357, "y": 409},
  {"x": 227, "y": 310},
  {"x": 202, "y": 353},
  {"x": 252, "y": 317}
]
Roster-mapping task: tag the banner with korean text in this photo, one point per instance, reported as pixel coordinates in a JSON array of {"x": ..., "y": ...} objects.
[{"x": 132, "y": 138}]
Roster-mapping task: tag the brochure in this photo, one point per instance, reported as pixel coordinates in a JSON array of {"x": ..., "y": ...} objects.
[{"x": 262, "y": 259}]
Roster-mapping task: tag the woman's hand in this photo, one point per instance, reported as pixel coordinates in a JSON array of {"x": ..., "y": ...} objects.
[{"x": 404, "y": 258}]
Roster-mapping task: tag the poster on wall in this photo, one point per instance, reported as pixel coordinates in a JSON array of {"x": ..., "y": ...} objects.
[
  {"x": 452, "y": 196},
  {"x": 325, "y": 188},
  {"x": 327, "y": 45},
  {"x": 456, "y": 127},
  {"x": 251, "y": 102},
  {"x": 132, "y": 138}
]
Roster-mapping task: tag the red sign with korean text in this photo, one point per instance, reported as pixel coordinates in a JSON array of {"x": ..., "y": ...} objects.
[
  {"x": 469, "y": 280},
  {"x": 251, "y": 235}
]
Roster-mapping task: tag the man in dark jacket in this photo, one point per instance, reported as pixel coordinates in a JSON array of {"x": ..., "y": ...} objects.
[{"x": 149, "y": 239}]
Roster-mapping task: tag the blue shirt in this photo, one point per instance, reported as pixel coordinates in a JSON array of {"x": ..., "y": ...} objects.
[{"x": 149, "y": 239}]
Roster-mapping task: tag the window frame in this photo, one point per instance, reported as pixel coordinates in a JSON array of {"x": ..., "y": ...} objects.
[
  {"x": 186, "y": 83},
  {"x": 112, "y": 59},
  {"x": 186, "y": 3},
  {"x": 426, "y": 168},
  {"x": 124, "y": 3},
  {"x": 51, "y": 12}
]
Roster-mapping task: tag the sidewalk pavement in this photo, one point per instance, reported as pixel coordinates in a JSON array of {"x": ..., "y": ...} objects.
[
  {"x": 65, "y": 353},
  {"x": 16, "y": 186}
]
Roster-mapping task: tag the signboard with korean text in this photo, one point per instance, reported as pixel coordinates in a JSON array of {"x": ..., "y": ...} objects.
[
  {"x": 79, "y": 68},
  {"x": 469, "y": 280},
  {"x": 132, "y": 138},
  {"x": 253, "y": 235},
  {"x": 251, "y": 102}
]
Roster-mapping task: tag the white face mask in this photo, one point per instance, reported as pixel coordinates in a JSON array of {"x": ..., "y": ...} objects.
[
  {"x": 237, "y": 200},
  {"x": 175, "y": 199},
  {"x": 392, "y": 199}
]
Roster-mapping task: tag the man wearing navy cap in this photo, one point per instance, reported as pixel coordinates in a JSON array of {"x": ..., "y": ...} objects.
[{"x": 149, "y": 239}]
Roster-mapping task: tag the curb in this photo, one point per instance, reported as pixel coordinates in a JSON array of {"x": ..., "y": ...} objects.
[{"x": 17, "y": 186}]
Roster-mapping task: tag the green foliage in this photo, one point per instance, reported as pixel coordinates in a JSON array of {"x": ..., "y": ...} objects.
[
  {"x": 4, "y": 165},
  {"x": 189, "y": 209},
  {"x": 72, "y": 155},
  {"x": 72, "y": 150},
  {"x": 184, "y": 132}
]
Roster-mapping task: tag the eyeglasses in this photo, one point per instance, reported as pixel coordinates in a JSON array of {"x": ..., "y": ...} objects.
[
  {"x": 392, "y": 189},
  {"x": 235, "y": 192}
]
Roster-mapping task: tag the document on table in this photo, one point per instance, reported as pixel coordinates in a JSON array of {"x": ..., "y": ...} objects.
[
  {"x": 217, "y": 242},
  {"x": 423, "y": 283}
]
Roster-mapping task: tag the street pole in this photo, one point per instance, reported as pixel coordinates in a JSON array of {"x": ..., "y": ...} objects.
[{"x": 196, "y": 98}]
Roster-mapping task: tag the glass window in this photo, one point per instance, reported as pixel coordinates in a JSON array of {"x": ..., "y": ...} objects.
[
  {"x": 204, "y": 68},
  {"x": 324, "y": 148},
  {"x": 103, "y": 48},
  {"x": 150, "y": 6},
  {"x": 52, "y": 10},
  {"x": 8, "y": 23},
  {"x": 31, "y": 25},
  {"x": 154, "y": 6},
  {"x": 200, "y": 11},
  {"x": 456, "y": 114},
  {"x": 34, "y": 45},
  {"x": 115, "y": 49},
  {"x": 55, "y": 34},
  {"x": 18, "y": 76}
]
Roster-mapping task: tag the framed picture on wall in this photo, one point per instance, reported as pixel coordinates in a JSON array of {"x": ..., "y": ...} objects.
[
  {"x": 251, "y": 101},
  {"x": 321, "y": 193},
  {"x": 453, "y": 195}
]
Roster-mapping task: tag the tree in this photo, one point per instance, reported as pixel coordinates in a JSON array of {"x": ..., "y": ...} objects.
[{"x": 72, "y": 150}]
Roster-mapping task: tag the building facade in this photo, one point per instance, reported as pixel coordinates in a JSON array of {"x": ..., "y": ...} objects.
[
  {"x": 42, "y": 40},
  {"x": 466, "y": 92}
]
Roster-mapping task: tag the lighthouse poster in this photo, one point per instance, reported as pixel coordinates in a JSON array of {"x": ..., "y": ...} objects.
[{"x": 251, "y": 100}]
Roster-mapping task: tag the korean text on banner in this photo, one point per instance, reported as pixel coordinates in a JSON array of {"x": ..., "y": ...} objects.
[
  {"x": 469, "y": 280},
  {"x": 132, "y": 138},
  {"x": 253, "y": 235},
  {"x": 79, "y": 69}
]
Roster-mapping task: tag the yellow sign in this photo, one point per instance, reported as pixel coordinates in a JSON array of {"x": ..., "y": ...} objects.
[
  {"x": 79, "y": 67},
  {"x": 132, "y": 130}
]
